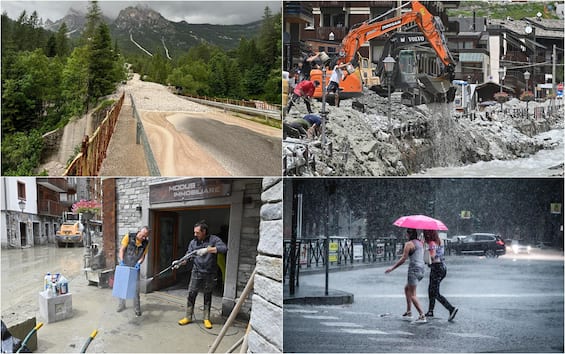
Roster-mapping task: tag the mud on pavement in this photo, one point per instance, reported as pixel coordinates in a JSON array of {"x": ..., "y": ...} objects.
[{"x": 155, "y": 331}]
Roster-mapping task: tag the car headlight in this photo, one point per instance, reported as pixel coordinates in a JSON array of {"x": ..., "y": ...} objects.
[
  {"x": 529, "y": 248},
  {"x": 514, "y": 248}
]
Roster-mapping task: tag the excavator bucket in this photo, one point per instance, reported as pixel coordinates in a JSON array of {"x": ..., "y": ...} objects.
[{"x": 437, "y": 89}]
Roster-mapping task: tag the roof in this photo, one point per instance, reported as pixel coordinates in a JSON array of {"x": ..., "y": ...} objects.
[{"x": 548, "y": 30}]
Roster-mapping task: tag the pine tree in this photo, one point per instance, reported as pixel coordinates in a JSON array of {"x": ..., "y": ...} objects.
[
  {"x": 62, "y": 41},
  {"x": 93, "y": 20},
  {"x": 101, "y": 63}
]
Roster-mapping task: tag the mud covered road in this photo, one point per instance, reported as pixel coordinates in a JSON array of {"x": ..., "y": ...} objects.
[{"x": 189, "y": 139}]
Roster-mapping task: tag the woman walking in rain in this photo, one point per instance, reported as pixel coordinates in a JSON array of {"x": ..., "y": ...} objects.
[
  {"x": 413, "y": 250},
  {"x": 437, "y": 273}
]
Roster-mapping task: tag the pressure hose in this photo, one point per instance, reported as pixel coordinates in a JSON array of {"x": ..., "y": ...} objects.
[
  {"x": 87, "y": 343},
  {"x": 29, "y": 335}
]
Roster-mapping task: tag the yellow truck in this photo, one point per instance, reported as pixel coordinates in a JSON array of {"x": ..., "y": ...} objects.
[{"x": 71, "y": 231}]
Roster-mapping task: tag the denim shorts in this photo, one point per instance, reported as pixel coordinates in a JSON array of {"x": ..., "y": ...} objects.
[{"x": 415, "y": 275}]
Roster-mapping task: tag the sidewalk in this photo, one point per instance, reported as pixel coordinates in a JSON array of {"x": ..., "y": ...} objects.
[
  {"x": 124, "y": 157},
  {"x": 313, "y": 295}
]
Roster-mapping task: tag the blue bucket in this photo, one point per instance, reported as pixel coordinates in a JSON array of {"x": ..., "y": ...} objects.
[{"x": 125, "y": 282}]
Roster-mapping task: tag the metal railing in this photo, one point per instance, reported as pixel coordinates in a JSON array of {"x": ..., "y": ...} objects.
[
  {"x": 93, "y": 149},
  {"x": 141, "y": 138},
  {"x": 343, "y": 251},
  {"x": 255, "y": 108}
]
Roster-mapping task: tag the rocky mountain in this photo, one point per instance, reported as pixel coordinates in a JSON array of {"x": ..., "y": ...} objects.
[{"x": 141, "y": 30}]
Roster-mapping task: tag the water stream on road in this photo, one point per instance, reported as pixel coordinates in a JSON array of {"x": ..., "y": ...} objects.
[
  {"x": 536, "y": 165},
  {"x": 446, "y": 145}
]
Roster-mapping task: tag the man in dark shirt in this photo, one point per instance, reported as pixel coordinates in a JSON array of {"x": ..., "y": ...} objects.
[{"x": 204, "y": 270}]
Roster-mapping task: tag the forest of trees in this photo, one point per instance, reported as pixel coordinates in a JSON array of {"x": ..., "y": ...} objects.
[
  {"x": 251, "y": 71},
  {"x": 47, "y": 78}
]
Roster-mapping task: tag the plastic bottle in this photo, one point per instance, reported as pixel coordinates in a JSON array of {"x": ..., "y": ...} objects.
[
  {"x": 47, "y": 281},
  {"x": 63, "y": 285}
]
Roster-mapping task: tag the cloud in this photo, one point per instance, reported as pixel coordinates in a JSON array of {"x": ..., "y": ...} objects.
[{"x": 214, "y": 12}]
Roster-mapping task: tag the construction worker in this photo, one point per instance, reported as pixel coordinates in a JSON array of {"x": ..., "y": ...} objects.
[
  {"x": 335, "y": 78},
  {"x": 305, "y": 89},
  {"x": 204, "y": 270},
  {"x": 134, "y": 247}
]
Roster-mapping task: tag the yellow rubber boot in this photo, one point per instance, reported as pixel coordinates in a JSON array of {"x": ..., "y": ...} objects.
[
  {"x": 188, "y": 315},
  {"x": 207, "y": 324},
  {"x": 184, "y": 321}
]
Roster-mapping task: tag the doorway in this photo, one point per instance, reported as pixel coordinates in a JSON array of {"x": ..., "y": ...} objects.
[
  {"x": 173, "y": 231},
  {"x": 23, "y": 234}
]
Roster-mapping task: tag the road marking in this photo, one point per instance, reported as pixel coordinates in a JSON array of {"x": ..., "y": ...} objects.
[
  {"x": 364, "y": 331},
  {"x": 402, "y": 333},
  {"x": 321, "y": 317},
  {"x": 471, "y": 335},
  {"x": 341, "y": 324},
  {"x": 298, "y": 310}
]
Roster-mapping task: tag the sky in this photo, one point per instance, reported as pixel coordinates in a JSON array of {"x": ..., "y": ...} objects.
[{"x": 213, "y": 12}]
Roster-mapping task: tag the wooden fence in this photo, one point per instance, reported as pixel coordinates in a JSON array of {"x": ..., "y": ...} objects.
[{"x": 93, "y": 149}]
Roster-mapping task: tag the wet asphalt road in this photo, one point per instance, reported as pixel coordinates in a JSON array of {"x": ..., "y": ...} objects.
[
  {"x": 241, "y": 151},
  {"x": 505, "y": 305}
]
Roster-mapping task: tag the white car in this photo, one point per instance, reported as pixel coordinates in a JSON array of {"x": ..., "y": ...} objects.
[{"x": 518, "y": 247}]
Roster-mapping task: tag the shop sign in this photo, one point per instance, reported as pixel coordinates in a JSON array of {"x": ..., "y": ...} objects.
[{"x": 188, "y": 189}]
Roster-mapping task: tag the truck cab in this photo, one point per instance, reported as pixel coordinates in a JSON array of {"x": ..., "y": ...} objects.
[{"x": 71, "y": 231}]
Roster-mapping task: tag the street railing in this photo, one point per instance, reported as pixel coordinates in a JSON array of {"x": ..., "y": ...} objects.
[
  {"x": 255, "y": 108},
  {"x": 343, "y": 251},
  {"x": 93, "y": 149},
  {"x": 141, "y": 138}
]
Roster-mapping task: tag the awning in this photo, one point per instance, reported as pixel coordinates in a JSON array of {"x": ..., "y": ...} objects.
[{"x": 471, "y": 57}]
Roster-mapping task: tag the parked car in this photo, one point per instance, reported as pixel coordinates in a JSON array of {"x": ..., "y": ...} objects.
[
  {"x": 520, "y": 247},
  {"x": 487, "y": 244},
  {"x": 457, "y": 238}
]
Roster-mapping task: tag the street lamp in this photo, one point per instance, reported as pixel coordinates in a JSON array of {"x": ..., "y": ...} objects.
[
  {"x": 22, "y": 205},
  {"x": 389, "y": 67},
  {"x": 501, "y": 75},
  {"x": 527, "y": 77}
]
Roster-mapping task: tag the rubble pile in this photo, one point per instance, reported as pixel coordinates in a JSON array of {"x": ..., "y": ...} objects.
[{"x": 359, "y": 142}]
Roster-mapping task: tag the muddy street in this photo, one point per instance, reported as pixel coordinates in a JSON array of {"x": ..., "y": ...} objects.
[{"x": 93, "y": 308}]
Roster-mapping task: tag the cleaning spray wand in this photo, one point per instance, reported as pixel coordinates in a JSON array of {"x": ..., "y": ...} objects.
[{"x": 175, "y": 265}]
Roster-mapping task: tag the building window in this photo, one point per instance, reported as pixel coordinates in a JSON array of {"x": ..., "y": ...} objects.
[{"x": 21, "y": 191}]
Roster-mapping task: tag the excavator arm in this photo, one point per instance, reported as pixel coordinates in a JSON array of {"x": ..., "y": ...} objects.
[{"x": 429, "y": 26}]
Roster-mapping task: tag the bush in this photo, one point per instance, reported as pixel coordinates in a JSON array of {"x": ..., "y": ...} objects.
[{"x": 21, "y": 153}]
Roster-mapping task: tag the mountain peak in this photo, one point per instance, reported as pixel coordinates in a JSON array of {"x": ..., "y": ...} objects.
[{"x": 141, "y": 16}]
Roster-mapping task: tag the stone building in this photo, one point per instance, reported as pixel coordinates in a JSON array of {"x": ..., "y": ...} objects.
[
  {"x": 32, "y": 208},
  {"x": 242, "y": 211}
]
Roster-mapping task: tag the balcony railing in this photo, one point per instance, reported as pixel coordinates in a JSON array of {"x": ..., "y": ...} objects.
[
  {"x": 57, "y": 184},
  {"x": 51, "y": 208}
]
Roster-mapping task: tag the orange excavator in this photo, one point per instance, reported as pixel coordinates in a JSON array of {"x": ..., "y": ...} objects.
[{"x": 436, "y": 88}]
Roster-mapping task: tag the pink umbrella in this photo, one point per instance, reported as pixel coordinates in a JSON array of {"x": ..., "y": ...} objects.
[{"x": 420, "y": 222}]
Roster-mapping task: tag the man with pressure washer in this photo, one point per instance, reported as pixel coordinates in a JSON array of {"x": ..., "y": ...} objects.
[
  {"x": 204, "y": 270},
  {"x": 134, "y": 247}
]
